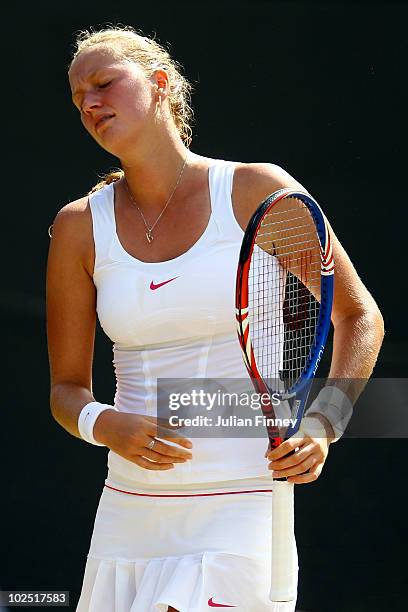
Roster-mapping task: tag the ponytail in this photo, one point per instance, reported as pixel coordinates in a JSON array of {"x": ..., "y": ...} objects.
[{"x": 107, "y": 179}]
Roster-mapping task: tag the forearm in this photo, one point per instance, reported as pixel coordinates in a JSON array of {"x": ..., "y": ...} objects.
[
  {"x": 67, "y": 401},
  {"x": 357, "y": 342}
]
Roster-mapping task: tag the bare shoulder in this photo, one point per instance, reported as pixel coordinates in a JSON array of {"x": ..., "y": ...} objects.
[
  {"x": 72, "y": 232},
  {"x": 73, "y": 213},
  {"x": 255, "y": 182}
]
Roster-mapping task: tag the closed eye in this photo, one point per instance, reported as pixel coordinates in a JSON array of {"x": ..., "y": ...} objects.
[{"x": 102, "y": 85}]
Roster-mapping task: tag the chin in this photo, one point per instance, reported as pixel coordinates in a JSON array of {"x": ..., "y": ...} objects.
[{"x": 111, "y": 143}]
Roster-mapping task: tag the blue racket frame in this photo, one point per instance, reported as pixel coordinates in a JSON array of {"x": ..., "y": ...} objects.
[{"x": 301, "y": 388}]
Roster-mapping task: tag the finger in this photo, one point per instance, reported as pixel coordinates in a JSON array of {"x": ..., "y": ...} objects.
[
  {"x": 166, "y": 434},
  {"x": 158, "y": 458},
  {"x": 286, "y": 447},
  {"x": 180, "y": 440},
  {"x": 151, "y": 465},
  {"x": 164, "y": 450},
  {"x": 293, "y": 459},
  {"x": 310, "y": 476},
  {"x": 301, "y": 468}
]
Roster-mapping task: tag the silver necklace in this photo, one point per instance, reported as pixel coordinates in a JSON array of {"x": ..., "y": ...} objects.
[{"x": 149, "y": 232}]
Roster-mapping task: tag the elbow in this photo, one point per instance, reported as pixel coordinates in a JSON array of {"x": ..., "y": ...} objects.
[
  {"x": 380, "y": 323},
  {"x": 58, "y": 396},
  {"x": 367, "y": 316},
  {"x": 53, "y": 404},
  {"x": 380, "y": 326},
  {"x": 373, "y": 315},
  {"x": 372, "y": 319}
]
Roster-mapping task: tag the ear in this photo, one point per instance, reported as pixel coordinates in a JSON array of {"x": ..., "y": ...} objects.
[{"x": 161, "y": 80}]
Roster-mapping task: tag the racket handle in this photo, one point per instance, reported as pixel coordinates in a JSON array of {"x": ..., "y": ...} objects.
[{"x": 284, "y": 564}]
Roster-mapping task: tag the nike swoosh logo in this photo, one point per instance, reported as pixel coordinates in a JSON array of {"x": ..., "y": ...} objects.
[
  {"x": 212, "y": 604},
  {"x": 153, "y": 286}
]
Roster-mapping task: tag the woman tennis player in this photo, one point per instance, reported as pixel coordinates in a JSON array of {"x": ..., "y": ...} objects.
[{"x": 152, "y": 251}]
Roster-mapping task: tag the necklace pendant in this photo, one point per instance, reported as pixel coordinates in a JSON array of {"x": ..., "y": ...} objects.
[{"x": 149, "y": 236}]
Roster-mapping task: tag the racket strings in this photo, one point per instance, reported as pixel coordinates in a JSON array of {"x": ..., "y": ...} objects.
[{"x": 284, "y": 278}]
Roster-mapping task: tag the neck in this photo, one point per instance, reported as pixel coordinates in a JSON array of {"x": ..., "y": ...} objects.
[{"x": 152, "y": 179}]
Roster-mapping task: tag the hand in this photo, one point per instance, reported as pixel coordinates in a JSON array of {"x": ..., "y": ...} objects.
[
  {"x": 129, "y": 434},
  {"x": 300, "y": 459}
]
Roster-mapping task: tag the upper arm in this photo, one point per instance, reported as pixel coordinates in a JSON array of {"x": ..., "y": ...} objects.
[
  {"x": 252, "y": 184},
  {"x": 71, "y": 296},
  {"x": 351, "y": 296}
]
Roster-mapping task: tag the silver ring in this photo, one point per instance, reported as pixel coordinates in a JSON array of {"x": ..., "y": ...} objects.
[{"x": 151, "y": 444}]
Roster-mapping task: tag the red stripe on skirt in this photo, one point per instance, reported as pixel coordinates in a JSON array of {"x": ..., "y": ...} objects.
[{"x": 187, "y": 495}]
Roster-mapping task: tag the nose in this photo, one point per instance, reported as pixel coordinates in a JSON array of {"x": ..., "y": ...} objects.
[{"x": 90, "y": 102}]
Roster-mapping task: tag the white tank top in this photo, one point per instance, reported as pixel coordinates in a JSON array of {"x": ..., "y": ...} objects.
[{"x": 175, "y": 319}]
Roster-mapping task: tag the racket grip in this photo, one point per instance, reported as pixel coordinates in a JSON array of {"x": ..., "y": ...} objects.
[{"x": 283, "y": 550}]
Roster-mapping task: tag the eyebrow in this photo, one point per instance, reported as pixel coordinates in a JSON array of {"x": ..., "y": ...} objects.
[{"x": 88, "y": 76}]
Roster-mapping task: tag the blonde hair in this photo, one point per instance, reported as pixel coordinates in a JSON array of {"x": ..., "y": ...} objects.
[{"x": 126, "y": 43}]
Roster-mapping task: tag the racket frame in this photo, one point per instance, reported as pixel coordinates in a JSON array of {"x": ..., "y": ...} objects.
[{"x": 300, "y": 390}]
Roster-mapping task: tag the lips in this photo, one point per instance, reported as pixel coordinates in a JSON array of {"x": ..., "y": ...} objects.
[{"x": 102, "y": 120}]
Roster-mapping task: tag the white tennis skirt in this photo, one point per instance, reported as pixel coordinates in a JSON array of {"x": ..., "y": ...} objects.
[{"x": 195, "y": 548}]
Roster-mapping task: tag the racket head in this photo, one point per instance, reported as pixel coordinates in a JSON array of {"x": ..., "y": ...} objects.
[{"x": 284, "y": 292}]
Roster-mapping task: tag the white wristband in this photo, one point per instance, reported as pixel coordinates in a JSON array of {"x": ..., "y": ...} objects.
[
  {"x": 311, "y": 426},
  {"x": 333, "y": 404},
  {"x": 87, "y": 418}
]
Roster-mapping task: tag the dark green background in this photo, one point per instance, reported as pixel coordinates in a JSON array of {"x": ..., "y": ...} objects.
[{"x": 317, "y": 88}]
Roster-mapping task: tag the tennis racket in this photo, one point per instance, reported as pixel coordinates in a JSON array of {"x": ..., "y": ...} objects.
[{"x": 284, "y": 299}]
